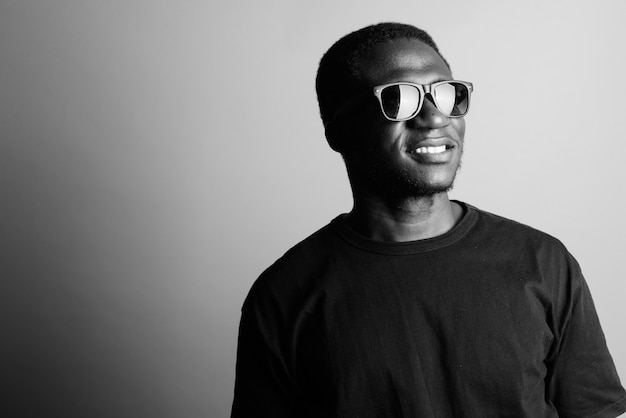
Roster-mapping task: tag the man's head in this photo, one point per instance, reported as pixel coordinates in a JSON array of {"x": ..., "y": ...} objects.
[
  {"x": 339, "y": 74},
  {"x": 391, "y": 155}
]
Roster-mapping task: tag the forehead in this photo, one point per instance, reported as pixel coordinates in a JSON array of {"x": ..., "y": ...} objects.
[{"x": 403, "y": 60}]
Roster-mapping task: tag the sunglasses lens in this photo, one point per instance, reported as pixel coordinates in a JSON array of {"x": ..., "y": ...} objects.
[
  {"x": 400, "y": 101},
  {"x": 452, "y": 98}
]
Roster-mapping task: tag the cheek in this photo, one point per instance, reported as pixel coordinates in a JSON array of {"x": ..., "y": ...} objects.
[
  {"x": 386, "y": 140},
  {"x": 459, "y": 127},
  {"x": 372, "y": 135}
]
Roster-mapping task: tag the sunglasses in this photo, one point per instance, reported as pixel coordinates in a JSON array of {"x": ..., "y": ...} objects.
[{"x": 403, "y": 101}]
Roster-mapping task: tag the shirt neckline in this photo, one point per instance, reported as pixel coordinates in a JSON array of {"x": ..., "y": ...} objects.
[{"x": 467, "y": 221}]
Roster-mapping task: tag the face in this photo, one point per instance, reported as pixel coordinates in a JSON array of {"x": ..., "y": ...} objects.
[{"x": 412, "y": 158}]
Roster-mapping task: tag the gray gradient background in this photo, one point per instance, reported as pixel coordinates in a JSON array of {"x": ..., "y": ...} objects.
[{"x": 156, "y": 156}]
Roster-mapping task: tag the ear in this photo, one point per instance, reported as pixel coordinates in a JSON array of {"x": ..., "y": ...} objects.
[{"x": 334, "y": 135}]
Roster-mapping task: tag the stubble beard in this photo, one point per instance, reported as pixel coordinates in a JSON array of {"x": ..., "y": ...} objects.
[{"x": 400, "y": 185}]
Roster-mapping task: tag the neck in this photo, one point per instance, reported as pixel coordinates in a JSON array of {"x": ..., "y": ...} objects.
[{"x": 407, "y": 220}]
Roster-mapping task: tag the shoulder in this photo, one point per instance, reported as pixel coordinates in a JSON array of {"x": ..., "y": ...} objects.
[
  {"x": 508, "y": 230},
  {"x": 297, "y": 269},
  {"x": 514, "y": 241}
]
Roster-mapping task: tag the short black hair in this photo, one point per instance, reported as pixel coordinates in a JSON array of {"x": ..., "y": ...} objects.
[{"x": 339, "y": 73}]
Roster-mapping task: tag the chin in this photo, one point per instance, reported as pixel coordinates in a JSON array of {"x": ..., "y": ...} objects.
[
  {"x": 401, "y": 190},
  {"x": 394, "y": 183},
  {"x": 431, "y": 190}
]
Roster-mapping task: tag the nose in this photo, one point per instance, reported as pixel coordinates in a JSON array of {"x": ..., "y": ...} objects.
[{"x": 429, "y": 116}]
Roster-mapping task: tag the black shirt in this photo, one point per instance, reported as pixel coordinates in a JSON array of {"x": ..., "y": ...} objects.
[{"x": 492, "y": 319}]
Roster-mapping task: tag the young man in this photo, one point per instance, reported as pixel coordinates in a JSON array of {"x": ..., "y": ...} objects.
[{"x": 413, "y": 305}]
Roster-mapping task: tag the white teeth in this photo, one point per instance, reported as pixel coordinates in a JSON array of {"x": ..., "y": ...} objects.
[{"x": 431, "y": 150}]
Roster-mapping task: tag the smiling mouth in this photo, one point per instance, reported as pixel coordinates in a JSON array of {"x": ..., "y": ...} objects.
[{"x": 432, "y": 150}]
